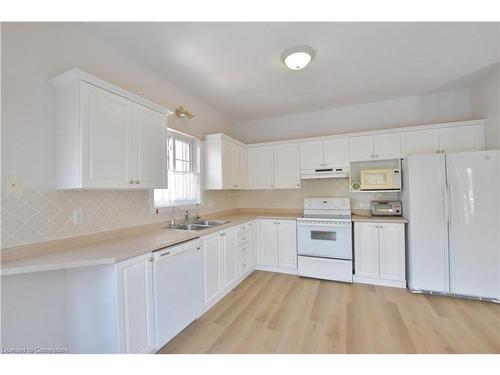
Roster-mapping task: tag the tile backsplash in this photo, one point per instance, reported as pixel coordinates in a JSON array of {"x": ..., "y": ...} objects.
[
  {"x": 40, "y": 215},
  {"x": 294, "y": 198}
]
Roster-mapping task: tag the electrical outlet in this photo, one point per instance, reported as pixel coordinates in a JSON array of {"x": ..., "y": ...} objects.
[
  {"x": 77, "y": 216},
  {"x": 210, "y": 203},
  {"x": 14, "y": 184}
]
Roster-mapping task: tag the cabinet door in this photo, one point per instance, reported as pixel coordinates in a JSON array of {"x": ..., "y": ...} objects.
[
  {"x": 227, "y": 164},
  {"x": 149, "y": 136},
  {"x": 230, "y": 258},
  {"x": 361, "y": 148},
  {"x": 107, "y": 138},
  {"x": 311, "y": 155},
  {"x": 366, "y": 254},
  {"x": 261, "y": 167},
  {"x": 287, "y": 166},
  {"x": 387, "y": 146},
  {"x": 461, "y": 138},
  {"x": 135, "y": 305},
  {"x": 392, "y": 251},
  {"x": 242, "y": 169},
  {"x": 236, "y": 166},
  {"x": 268, "y": 243},
  {"x": 252, "y": 244},
  {"x": 212, "y": 268},
  {"x": 336, "y": 152},
  {"x": 287, "y": 243},
  {"x": 419, "y": 142}
]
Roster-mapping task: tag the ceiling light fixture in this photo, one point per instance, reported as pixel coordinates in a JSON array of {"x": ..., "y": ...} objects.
[{"x": 297, "y": 58}]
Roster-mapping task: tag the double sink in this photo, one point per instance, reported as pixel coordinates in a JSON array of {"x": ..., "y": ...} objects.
[{"x": 200, "y": 225}]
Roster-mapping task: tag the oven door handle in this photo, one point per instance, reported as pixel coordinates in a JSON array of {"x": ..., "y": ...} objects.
[{"x": 346, "y": 225}]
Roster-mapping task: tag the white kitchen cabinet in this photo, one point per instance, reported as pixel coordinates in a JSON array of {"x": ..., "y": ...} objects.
[
  {"x": 379, "y": 253},
  {"x": 386, "y": 146},
  {"x": 106, "y": 137},
  {"x": 135, "y": 305},
  {"x": 461, "y": 138},
  {"x": 392, "y": 251},
  {"x": 287, "y": 244},
  {"x": 311, "y": 155},
  {"x": 361, "y": 148},
  {"x": 230, "y": 258},
  {"x": 419, "y": 142},
  {"x": 366, "y": 249},
  {"x": 277, "y": 244},
  {"x": 287, "y": 166},
  {"x": 261, "y": 167},
  {"x": 331, "y": 152},
  {"x": 149, "y": 132},
  {"x": 225, "y": 163},
  {"x": 376, "y": 147},
  {"x": 336, "y": 152},
  {"x": 268, "y": 243},
  {"x": 212, "y": 268},
  {"x": 446, "y": 139}
]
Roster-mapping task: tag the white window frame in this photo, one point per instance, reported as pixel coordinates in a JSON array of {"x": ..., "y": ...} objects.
[{"x": 195, "y": 167}]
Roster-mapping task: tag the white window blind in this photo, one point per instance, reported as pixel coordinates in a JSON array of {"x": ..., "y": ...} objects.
[{"x": 183, "y": 161}]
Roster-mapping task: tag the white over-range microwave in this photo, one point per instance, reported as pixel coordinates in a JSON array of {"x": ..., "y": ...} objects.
[{"x": 381, "y": 179}]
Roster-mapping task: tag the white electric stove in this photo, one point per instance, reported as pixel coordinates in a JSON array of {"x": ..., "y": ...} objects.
[{"x": 324, "y": 239}]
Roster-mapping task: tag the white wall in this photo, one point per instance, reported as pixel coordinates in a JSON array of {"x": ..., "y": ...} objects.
[
  {"x": 419, "y": 110},
  {"x": 485, "y": 103},
  {"x": 35, "y": 52}
]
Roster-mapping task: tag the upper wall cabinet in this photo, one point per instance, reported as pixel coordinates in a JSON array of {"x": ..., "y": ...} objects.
[
  {"x": 107, "y": 138},
  {"x": 225, "y": 163},
  {"x": 375, "y": 147},
  {"x": 332, "y": 152},
  {"x": 286, "y": 166},
  {"x": 261, "y": 167},
  {"x": 461, "y": 138},
  {"x": 445, "y": 139}
]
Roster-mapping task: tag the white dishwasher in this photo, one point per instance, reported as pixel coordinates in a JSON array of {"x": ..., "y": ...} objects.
[{"x": 178, "y": 288}]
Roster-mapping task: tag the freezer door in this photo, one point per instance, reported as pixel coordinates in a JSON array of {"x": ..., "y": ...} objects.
[
  {"x": 428, "y": 267},
  {"x": 474, "y": 223}
]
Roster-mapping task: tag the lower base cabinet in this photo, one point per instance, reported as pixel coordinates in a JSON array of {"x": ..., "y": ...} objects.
[
  {"x": 277, "y": 249},
  {"x": 379, "y": 253},
  {"x": 228, "y": 257},
  {"x": 134, "y": 300}
]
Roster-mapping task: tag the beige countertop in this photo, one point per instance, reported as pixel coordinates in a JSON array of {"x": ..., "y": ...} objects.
[
  {"x": 97, "y": 249},
  {"x": 379, "y": 219}
]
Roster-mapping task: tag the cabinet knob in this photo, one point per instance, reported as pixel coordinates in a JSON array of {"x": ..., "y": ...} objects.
[
  {"x": 137, "y": 182},
  {"x": 130, "y": 181}
]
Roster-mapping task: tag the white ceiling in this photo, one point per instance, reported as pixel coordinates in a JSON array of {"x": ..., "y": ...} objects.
[{"x": 236, "y": 67}]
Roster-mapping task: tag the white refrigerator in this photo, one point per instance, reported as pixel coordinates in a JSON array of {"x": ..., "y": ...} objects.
[{"x": 452, "y": 202}]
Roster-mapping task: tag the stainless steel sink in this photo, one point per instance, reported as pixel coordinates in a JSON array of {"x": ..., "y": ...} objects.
[
  {"x": 191, "y": 226},
  {"x": 212, "y": 223},
  {"x": 200, "y": 225}
]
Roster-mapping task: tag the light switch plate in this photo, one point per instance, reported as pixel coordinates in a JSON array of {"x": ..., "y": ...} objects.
[
  {"x": 210, "y": 203},
  {"x": 14, "y": 184}
]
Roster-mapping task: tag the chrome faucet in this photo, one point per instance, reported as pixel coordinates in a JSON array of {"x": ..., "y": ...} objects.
[
  {"x": 197, "y": 212},
  {"x": 186, "y": 217},
  {"x": 171, "y": 222}
]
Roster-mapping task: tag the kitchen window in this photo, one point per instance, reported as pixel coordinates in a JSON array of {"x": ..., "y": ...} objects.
[{"x": 183, "y": 164}]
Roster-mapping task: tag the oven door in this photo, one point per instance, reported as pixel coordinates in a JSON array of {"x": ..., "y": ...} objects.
[{"x": 324, "y": 240}]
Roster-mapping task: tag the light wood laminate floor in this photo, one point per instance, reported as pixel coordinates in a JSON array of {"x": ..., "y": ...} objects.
[{"x": 278, "y": 313}]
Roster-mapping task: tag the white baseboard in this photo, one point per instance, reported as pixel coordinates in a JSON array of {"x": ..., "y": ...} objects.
[
  {"x": 381, "y": 282},
  {"x": 276, "y": 269}
]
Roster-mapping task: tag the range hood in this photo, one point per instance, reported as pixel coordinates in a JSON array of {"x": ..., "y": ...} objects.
[{"x": 310, "y": 174}]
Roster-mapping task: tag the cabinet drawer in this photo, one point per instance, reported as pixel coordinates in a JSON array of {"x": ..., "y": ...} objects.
[
  {"x": 242, "y": 249},
  {"x": 243, "y": 265},
  {"x": 242, "y": 237},
  {"x": 243, "y": 228}
]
